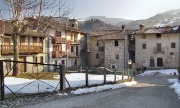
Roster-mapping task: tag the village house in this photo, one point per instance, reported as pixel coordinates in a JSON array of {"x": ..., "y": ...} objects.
[
  {"x": 68, "y": 45},
  {"x": 108, "y": 48},
  {"x": 31, "y": 46},
  {"x": 157, "y": 47}
]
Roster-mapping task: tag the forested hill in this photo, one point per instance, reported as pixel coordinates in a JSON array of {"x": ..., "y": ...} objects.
[{"x": 96, "y": 24}]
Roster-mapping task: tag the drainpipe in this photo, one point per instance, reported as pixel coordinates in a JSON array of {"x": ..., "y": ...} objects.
[
  {"x": 179, "y": 49},
  {"x": 48, "y": 53},
  {"x": 124, "y": 53}
]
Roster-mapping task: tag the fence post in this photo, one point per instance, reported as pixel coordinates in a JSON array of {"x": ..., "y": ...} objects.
[
  {"x": 62, "y": 78},
  {"x": 104, "y": 75},
  {"x": 123, "y": 75},
  {"x": 2, "y": 80},
  {"x": 115, "y": 76},
  {"x": 87, "y": 84}
]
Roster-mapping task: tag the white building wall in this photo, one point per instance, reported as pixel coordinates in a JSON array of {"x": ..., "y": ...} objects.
[{"x": 143, "y": 56}]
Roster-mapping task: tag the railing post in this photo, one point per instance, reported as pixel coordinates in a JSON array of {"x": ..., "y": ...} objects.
[
  {"x": 2, "y": 80},
  {"x": 87, "y": 84},
  {"x": 62, "y": 78},
  {"x": 104, "y": 75}
]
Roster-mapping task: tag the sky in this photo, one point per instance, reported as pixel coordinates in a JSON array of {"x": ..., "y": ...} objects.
[{"x": 126, "y": 9}]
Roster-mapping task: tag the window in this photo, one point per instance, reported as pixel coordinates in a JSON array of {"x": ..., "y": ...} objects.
[
  {"x": 34, "y": 40},
  {"x": 72, "y": 49},
  {"x": 115, "y": 43},
  {"x": 158, "y": 47},
  {"x": 58, "y": 34},
  {"x": 173, "y": 45},
  {"x": 41, "y": 59},
  {"x": 158, "y": 35},
  {"x": 117, "y": 56},
  {"x": 7, "y": 41},
  {"x": 143, "y": 36},
  {"x": 22, "y": 40},
  {"x": 97, "y": 56},
  {"x": 73, "y": 25},
  {"x": 113, "y": 66},
  {"x": 143, "y": 46}
]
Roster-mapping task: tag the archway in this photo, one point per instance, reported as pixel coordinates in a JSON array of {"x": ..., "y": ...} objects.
[{"x": 159, "y": 62}]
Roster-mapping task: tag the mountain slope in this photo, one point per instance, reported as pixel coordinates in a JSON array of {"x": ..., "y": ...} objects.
[{"x": 171, "y": 18}]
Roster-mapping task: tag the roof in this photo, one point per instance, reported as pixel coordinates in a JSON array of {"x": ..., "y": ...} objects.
[
  {"x": 6, "y": 28},
  {"x": 162, "y": 30},
  {"x": 109, "y": 35}
]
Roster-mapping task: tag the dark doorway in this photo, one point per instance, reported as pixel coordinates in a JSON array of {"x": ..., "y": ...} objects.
[
  {"x": 77, "y": 50},
  {"x": 159, "y": 62},
  {"x": 152, "y": 63}
]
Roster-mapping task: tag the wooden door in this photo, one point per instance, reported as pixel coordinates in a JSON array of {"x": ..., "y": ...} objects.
[{"x": 152, "y": 63}]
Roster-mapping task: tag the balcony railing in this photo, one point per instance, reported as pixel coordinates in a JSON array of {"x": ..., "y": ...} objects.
[
  {"x": 23, "y": 49},
  {"x": 158, "y": 50},
  {"x": 131, "y": 47},
  {"x": 58, "y": 40},
  {"x": 74, "y": 41},
  {"x": 73, "y": 54},
  {"x": 58, "y": 54}
]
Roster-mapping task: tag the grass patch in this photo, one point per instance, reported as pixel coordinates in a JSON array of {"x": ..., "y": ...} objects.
[{"x": 42, "y": 75}]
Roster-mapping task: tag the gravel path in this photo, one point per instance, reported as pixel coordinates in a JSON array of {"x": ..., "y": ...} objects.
[{"x": 149, "y": 92}]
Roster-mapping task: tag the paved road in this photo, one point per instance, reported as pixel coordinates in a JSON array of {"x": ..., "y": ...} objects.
[{"x": 149, "y": 92}]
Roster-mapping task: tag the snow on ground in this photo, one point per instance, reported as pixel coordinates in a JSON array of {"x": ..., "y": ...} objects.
[
  {"x": 175, "y": 83},
  {"x": 160, "y": 72},
  {"x": 104, "y": 87},
  {"x": 21, "y": 85}
]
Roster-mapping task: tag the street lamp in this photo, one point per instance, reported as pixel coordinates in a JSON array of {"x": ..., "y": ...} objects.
[{"x": 129, "y": 63}]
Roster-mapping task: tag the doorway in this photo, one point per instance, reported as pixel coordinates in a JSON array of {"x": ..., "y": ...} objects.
[{"x": 159, "y": 62}]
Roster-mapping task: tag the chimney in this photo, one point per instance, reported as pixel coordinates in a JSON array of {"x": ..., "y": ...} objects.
[
  {"x": 141, "y": 27},
  {"x": 123, "y": 27},
  {"x": 167, "y": 28}
]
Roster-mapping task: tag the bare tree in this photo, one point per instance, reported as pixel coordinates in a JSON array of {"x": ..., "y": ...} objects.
[{"x": 17, "y": 13}]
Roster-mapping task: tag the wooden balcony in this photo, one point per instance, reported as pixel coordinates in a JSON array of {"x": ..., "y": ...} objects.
[
  {"x": 23, "y": 49},
  {"x": 59, "y": 40},
  {"x": 57, "y": 54},
  {"x": 131, "y": 47},
  {"x": 73, "y": 54},
  {"x": 74, "y": 42}
]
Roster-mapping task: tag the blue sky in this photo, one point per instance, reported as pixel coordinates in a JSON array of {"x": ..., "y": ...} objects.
[{"x": 127, "y": 9}]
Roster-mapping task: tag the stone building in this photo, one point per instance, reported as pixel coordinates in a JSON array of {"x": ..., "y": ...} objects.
[
  {"x": 157, "y": 47},
  {"x": 108, "y": 49}
]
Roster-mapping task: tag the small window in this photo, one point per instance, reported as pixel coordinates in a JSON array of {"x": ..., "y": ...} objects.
[
  {"x": 113, "y": 66},
  {"x": 158, "y": 35},
  {"x": 73, "y": 25},
  {"x": 115, "y": 43},
  {"x": 173, "y": 45},
  {"x": 58, "y": 33},
  {"x": 143, "y": 36},
  {"x": 117, "y": 56},
  {"x": 97, "y": 56},
  {"x": 143, "y": 46}
]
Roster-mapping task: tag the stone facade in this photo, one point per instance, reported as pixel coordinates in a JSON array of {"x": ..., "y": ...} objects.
[
  {"x": 108, "y": 49},
  {"x": 157, "y": 48}
]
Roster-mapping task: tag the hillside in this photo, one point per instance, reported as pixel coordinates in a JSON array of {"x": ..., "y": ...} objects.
[
  {"x": 171, "y": 18},
  {"x": 113, "y": 21},
  {"x": 96, "y": 24}
]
